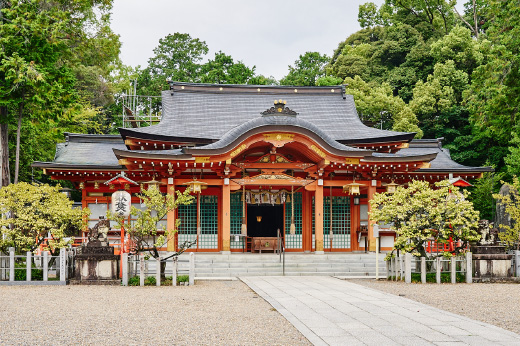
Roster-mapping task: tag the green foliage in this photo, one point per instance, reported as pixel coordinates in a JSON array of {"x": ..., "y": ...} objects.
[
  {"x": 420, "y": 214},
  {"x": 134, "y": 281},
  {"x": 183, "y": 278},
  {"x": 33, "y": 211},
  {"x": 378, "y": 107},
  {"x": 144, "y": 231},
  {"x": 307, "y": 70},
  {"x": 20, "y": 273},
  {"x": 482, "y": 193},
  {"x": 510, "y": 235},
  {"x": 224, "y": 70},
  {"x": 512, "y": 160},
  {"x": 445, "y": 278}
]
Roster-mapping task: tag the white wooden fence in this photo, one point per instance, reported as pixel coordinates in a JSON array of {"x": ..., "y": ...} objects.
[
  {"x": 58, "y": 273},
  {"x": 401, "y": 267},
  {"x": 139, "y": 266}
]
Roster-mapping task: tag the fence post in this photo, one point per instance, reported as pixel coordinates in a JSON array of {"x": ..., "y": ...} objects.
[
  {"x": 45, "y": 266},
  {"x": 125, "y": 268},
  {"x": 11, "y": 264},
  {"x": 469, "y": 268},
  {"x": 192, "y": 269},
  {"x": 401, "y": 269},
  {"x": 63, "y": 264},
  {"x": 28, "y": 262},
  {"x": 394, "y": 264},
  {"x": 408, "y": 268},
  {"x": 453, "y": 265},
  {"x": 141, "y": 269},
  {"x": 516, "y": 255},
  {"x": 423, "y": 270},
  {"x": 388, "y": 269},
  {"x": 438, "y": 273},
  {"x": 175, "y": 270},
  {"x": 158, "y": 272}
]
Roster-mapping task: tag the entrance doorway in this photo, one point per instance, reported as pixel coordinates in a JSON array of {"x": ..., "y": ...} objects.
[{"x": 264, "y": 220}]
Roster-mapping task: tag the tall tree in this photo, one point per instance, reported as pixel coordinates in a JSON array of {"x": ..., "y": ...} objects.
[
  {"x": 224, "y": 70},
  {"x": 306, "y": 70}
]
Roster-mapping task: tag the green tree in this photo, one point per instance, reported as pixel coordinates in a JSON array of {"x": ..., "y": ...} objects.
[
  {"x": 511, "y": 234},
  {"x": 224, "y": 70},
  {"x": 306, "y": 70},
  {"x": 420, "y": 214},
  {"x": 31, "y": 212},
  {"x": 378, "y": 107},
  {"x": 145, "y": 231}
]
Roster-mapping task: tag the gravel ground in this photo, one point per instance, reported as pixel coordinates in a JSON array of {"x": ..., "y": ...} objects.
[
  {"x": 496, "y": 304},
  {"x": 209, "y": 313}
]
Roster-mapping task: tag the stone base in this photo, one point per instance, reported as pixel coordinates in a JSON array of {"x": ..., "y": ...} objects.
[
  {"x": 96, "y": 282},
  {"x": 90, "y": 269},
  {"x": 485, "y": 266}
]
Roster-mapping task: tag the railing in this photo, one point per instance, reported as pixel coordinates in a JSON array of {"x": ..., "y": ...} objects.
[
  {"x": 36, "y": 269},
  {"x": 402, "y": 268},
  {"x": 134, "y": 266},
  {"x": 281, "y": 251}
]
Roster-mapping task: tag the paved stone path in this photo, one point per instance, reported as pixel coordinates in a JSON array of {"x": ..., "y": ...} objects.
[{"x": 337, "y": 312}]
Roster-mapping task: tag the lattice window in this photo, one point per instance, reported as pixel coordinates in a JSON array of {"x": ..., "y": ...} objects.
[
  {"x": 294, "y": 241},
  {"x": 236, "y": 218},
  {"x": 208, "y": 238},
  {"x": 188, "y": 227},
  {"x": 340, "y": 222}
]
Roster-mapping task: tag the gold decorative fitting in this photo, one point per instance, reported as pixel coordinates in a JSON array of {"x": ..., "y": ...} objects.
[
  {"x": 127, "y": 186},
  {"x": 81, "y": 185},
  {"x": 112, "y": 186},
  {"x": 202, "y": 159},
  {"x": 236, "y": 151},
  {"x": 259, "y": 218},
  {"x": 351, "y": 161},
  {"x": 96, "y": 185},
  {"x": 318, "y": 151}
]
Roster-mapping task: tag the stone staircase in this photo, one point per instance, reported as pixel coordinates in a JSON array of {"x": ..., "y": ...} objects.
[{"x": 296, "y": 264}]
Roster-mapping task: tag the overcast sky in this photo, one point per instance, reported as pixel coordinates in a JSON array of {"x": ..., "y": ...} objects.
[{"x": 268, "y": 34}]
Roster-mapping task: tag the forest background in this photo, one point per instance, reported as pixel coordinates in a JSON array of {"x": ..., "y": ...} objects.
[{"x": 416, "y": 65}]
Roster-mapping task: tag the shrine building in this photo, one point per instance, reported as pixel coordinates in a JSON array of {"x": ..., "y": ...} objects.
[{"x": 269, "y": 160}]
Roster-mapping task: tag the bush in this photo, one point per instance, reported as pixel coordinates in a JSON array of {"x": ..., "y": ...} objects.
[
  {"x": 148, "y": 281},
  {"x": 20, "y": 273},
  {"x": 445, "y": 277},
  {"x": 183, "y": 278}
]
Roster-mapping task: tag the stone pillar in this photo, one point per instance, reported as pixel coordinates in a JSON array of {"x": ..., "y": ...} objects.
[
  {"x": 453, "y": 265},
  {"x": 11, "y": 264},
  {"x": 318, "y": 218},
  {"x": 371, "y": 239},
  {"x": 170, "y": 217},
  {"x": 423, "y": 270},
  {"x": 46, "y": 266},
  {"x": 469, "y": 268},
  {"x": 63, "y": 264},
  {"x": 28, "y": 262},
  {"x": 125, "y": 268},
  {"x": 158, "y": 272},
  {"x": 438, "y": 270},
  {"x": 408, "y": 268},
  {"x": 226, "y": 219},
  {"x": 141, "y": 270},
  {"x": 192, "y": 269}
]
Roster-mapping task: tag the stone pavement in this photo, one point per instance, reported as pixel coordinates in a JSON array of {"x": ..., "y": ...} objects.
[{"x": 330, "y": 311}]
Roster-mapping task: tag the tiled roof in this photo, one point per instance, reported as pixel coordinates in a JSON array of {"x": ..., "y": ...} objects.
[{"x": 209, "y": 115}]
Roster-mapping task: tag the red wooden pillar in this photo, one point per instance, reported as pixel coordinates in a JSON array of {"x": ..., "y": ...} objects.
[
  {"x": 170, "y": 217},
  {"x": 371, "y": 239},
  {"x": 318, "y": 217},
  {"x": 226, "y": 218},
  {"x": 307, "y": 221}
]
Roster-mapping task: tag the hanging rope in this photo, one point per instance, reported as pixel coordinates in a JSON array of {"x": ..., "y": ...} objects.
[{"x": 292, "y": 229}]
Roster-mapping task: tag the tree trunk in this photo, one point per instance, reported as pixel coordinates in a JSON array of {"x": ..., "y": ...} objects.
[
  {"x": 5, "y": 178},
  {"x": 18, "y": 130}
]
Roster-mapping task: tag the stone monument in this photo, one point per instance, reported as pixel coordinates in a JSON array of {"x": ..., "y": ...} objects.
[
  {"x": 95, "y": 261},
  {"x": 490, "y": 261}
]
